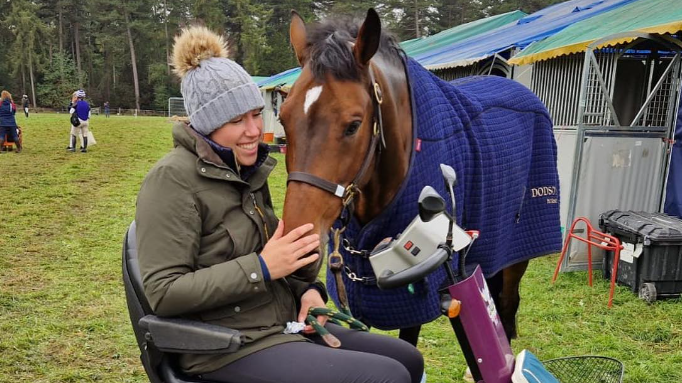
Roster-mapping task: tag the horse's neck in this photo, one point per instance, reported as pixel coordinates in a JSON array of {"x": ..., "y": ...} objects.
[{"x": 391, "y": 166}]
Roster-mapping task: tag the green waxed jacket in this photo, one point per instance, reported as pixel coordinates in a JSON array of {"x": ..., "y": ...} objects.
[{"x": 199, "y": 230}]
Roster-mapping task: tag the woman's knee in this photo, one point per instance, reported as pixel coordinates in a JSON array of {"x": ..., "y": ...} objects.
[
  {"x": 387, "y": 370},
  {"x": 413, "y": 360}
]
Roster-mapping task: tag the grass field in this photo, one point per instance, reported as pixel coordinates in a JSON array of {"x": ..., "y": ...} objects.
[{"x": 63, "y": 316}]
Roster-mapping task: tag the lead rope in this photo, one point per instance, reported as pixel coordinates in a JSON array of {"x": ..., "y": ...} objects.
[
  {"x": 336, "y": 267},
  {"x": 336, "y": 317}
]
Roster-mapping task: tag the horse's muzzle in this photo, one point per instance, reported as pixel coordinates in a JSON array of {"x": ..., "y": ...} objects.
[{"x": 310, "y": 273}]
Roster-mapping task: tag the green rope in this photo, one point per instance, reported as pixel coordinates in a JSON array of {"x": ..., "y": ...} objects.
[
  {"x": 335, "y": 317},
  {"x": 338, "y": 317}
]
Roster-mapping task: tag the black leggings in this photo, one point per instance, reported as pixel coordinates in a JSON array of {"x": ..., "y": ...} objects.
[{"x": 362, "y": 358}]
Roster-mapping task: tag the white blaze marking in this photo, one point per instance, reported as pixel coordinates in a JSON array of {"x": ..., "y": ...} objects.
[{"x": 311, "y": 96}]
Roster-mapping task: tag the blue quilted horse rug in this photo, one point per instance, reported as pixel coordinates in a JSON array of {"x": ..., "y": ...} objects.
[{"x": 497, "y": 135}]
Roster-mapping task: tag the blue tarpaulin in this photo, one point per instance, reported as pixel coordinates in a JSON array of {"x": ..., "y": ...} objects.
[
  {"x": 673, "y": 193},
  {"x": 527, "y": 30}
]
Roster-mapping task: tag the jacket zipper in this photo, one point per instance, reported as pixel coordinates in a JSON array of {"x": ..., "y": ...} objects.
[
  {"x": 284, "y": 280},
  {"x": 262, "y": 217}
]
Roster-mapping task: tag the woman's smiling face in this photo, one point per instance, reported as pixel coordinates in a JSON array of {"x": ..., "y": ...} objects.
[{"x": 242, "y": 135}]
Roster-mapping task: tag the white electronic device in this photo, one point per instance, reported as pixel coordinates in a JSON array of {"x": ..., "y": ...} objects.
[{"x": 415, "y": 244}]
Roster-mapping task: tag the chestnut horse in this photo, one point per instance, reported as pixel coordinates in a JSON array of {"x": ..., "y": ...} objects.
[{"x": 349, "y": 126}]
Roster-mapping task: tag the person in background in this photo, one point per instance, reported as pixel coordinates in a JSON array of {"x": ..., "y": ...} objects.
[
  {"x": 82, "y": 110},
  {"x": 8, "y": 124},
  {"x": 210, "y": 246},
  {"x": 106, "y": 109},
  {"x": 72, "y": 138},
  {"x": 25, "y": 104}
]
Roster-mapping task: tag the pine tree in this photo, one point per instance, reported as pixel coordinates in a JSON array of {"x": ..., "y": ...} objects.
[{"x": 28, "y": 31}]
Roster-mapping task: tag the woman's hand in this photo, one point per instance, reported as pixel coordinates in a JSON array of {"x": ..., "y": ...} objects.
[
  {"x": 311, "y": 298},
  {"x": 285, "y": 254}
]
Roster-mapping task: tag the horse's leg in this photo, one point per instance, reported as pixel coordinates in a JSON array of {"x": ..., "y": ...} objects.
[
  {"x": 509, "y": 298},
  {"x": 410, "y": 334}
]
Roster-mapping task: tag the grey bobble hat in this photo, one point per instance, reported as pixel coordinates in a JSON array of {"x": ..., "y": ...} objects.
[{"x": 215, "y": 89}]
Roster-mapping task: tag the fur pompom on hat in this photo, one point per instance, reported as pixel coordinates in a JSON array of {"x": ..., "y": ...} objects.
[
  {"x": 215, "y": 89},
  {"x": 194, "y": 45}
]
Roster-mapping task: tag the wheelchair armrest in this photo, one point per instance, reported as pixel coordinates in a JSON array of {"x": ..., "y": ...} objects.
[{"x": 186, "y": 336}]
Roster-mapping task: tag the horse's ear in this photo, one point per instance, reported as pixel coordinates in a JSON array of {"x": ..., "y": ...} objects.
[
  {"x": 298, "y": 36},
  {"x": 369, "y": 36}
]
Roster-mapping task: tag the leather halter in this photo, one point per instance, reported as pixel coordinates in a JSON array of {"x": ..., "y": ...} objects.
[{"x": 347, "y": 193}]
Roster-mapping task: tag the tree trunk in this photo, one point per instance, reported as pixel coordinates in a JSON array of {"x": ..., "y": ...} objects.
[
  {"x": 90, "y": 56},
  {"x": 416, "y": 19},
  {"x": 165, "y": 18},
  {"x": 61, "y": 38},
  {"x": 77, "y": 38},
  {"x": 73, "y": 49},
  {"x": 30, "y": 71},
  {"x": 23, "y": 79},
  {"x": 133, "y": 60}
]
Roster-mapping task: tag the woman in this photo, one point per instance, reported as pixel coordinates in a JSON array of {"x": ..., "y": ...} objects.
[
  {"x": 211, "y": 248},
  {"x": 8, "y": 125},
  {"x": 81, "y": 108},
  {"x": 72, "y": 136}
]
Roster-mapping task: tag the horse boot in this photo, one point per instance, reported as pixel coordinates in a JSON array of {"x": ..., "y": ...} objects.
[
  {"x": 72, "y": 147},
  {"x": 84, "y": 149}
]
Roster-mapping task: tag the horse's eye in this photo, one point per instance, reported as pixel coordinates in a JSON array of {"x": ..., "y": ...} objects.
[{"x": 352, "y": 128}]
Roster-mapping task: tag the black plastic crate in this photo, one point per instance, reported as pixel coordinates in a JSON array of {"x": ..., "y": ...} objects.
[{"x": 657, "y": 271}]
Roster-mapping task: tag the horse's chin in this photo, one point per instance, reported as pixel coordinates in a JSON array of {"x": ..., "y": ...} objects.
[{"x": 310, "y": 273}]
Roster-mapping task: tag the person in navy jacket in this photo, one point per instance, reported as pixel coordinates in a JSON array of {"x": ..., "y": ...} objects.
[
  {"x": 8, "y": 125},
  {"x": 82, "y": 110}
]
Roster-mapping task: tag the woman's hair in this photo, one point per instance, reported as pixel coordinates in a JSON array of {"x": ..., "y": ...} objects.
[{"x": 6, "y": 95}]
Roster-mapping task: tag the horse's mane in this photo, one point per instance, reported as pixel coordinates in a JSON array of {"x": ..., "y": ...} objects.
[{"x": 331, "y": 43}]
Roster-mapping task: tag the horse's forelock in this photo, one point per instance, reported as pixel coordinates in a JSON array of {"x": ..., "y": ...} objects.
[
  {"x": 330, "y": 52},
  {"x": 331, "y": 48}
]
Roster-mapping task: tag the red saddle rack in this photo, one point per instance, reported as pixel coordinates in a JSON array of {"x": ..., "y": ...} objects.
[{"x": 593, "y": 238}]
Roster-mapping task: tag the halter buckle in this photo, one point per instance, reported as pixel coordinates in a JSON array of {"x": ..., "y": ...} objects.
[
  {"x": 349, "y": 194},
  {"x": 377, "y": 93}
]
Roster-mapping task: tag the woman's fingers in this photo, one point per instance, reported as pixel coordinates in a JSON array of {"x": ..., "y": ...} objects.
[
  {"x": 298, "y": 232},
  {"x": 279, "y": 230},
  {"x": 306, "y": 249},
  {"x": 304, "y": 261}
]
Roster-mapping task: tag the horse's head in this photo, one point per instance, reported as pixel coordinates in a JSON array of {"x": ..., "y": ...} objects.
[{"x": 329, "y": 118}]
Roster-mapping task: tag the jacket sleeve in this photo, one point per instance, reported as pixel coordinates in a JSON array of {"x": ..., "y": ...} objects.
[
  {"x": 168, "y": 237},
  {"x": 299, "y": 287}
]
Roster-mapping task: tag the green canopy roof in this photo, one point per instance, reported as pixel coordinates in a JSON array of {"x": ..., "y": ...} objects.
[
  {"x": 417, "y": 46},
  {"x": 649, "y": 16},
  {"x": 450, "y": 36},
  {"x": 285, "y": 79}
]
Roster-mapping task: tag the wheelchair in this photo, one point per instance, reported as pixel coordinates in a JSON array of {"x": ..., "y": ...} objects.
[{"x": 160, "y": 339}]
